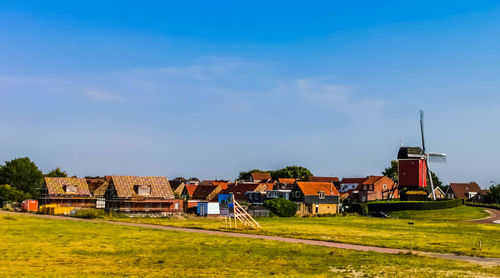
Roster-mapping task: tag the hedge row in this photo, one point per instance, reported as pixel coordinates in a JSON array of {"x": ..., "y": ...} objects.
[
  {"x": 402, "y": 205},
  {"x": 492, "y": 206}
]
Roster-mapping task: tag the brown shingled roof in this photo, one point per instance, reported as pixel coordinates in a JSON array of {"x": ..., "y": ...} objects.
[
  {"x": 461, "y": 189},
  {"x": 313, "y": 188},
  {"x": 55, "y": 186},
  {"x": 203, "y": 191},
  {"x": 124, "y": 185}
]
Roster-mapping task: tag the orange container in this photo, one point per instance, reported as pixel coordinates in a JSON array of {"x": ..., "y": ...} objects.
[{"x": 29, "y": 205}]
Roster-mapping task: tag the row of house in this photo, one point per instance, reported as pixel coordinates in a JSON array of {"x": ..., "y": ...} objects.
[{"x": 158, "y": 195}]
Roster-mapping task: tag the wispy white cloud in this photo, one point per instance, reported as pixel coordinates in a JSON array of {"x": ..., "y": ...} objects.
[
  {"x": 99, "y": 95},
  {"x": 226, "y": 84},
  {"x": 338, "y": 97}
]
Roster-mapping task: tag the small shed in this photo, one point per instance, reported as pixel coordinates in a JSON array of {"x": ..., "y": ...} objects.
[{"x": 208, "y": 208}]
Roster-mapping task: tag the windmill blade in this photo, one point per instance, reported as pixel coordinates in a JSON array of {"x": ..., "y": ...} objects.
[
  {"x": 430, "y": 179},
  {"x": 422, "y": 128},
  {"x": 437, "y": 154},
  {"x": 438, "y": 159}
]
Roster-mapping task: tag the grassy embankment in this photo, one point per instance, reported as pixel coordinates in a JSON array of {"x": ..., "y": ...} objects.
[
  {"x": 41, "y": 247},
  {"x": 443, "y": 231}
]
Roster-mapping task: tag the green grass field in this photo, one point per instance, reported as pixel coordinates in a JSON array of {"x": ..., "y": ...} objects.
[
  {"x": 52, "y": 248},
  {"x": 444, "y": 231}
]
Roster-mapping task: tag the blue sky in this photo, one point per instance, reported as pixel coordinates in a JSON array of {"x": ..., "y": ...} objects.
[{"x": 207, "y": 89}]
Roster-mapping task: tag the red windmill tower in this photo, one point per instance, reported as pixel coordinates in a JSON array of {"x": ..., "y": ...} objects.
[{"x": 414, "y": 165}]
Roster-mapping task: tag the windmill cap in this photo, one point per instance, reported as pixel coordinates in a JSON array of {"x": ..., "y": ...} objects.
[{"x": 410, "y": 152}]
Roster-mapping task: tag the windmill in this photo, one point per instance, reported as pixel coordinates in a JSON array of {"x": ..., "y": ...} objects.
[{"x": 414, "y": 165}]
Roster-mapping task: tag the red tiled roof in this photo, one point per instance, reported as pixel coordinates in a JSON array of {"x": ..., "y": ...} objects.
[
  {"x": 283, "y": 180},
  {"x": 324, "y": 179},
  {"x": 372, "y": 179},
  {"x": 313, "y": 188},
  {"x": 124, "y": 185},
  {"x": 55, "y": 186},
  {"x": 461, "y": 189},
  {"x": 261, "y": 176}
]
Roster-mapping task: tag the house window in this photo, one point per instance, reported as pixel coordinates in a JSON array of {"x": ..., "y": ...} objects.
[
  {"x": 384, "y": 186},
  {"x": 297, "y": 194},
  {"x": 322, "y": 195},
  {"x": 365, "y": 187}
]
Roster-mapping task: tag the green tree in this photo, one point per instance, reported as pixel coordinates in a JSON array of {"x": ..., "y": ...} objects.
[
  {"x": 493, "y": 195},
  {"x": 248, "y": 175},
  {"x": 57, "y": 173},
  {"x": 292, "y": 172},
  {"x": 8, "y": 193},
  {"x": 392, "y": 172},
  {"x": 22, "y": 174},
  {"x": 437, "y": 182}
]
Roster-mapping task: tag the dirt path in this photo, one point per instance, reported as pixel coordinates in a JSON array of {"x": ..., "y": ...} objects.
[
  {"x": 493, "y": 218},
  {"x": 487, "y": 261}
]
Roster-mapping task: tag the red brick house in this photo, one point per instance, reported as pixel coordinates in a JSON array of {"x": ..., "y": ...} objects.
[
  {"x": 133, "y": 194},
  {"x": 375, "y": 188},
  {"x": 67, "y": 192}
]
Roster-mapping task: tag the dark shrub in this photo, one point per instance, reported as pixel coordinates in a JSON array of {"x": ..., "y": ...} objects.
[
  {"x": 365, "y": 208},
  {"x": 359, "y": 208},
  {"x": 281, "y": 207}
]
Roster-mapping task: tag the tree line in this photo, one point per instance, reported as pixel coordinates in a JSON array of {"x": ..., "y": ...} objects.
[{"x": 21, "y": 179}]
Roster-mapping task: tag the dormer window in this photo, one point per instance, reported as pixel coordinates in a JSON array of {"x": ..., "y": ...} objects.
[
  {"x": 322, "y": 194},
  {"x": 69, "y": 188},
  {"x": 143, "y": 190}
]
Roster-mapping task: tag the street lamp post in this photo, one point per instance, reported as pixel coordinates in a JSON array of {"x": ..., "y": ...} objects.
[{"x": 411, "y": 225}]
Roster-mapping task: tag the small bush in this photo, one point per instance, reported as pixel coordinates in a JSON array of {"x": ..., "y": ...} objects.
[
  {"x": 281, "y": 207},
  {"x": 90, "y": 213},
  {"x": 362, "y": 208}
]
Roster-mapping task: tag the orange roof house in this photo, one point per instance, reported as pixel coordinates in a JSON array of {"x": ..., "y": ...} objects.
[
  {"x": 67, "y": 192},
  {"x": 315, "y": 197},
  {"x": 134, "y": 194}
]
